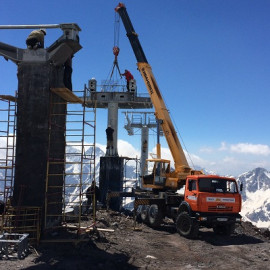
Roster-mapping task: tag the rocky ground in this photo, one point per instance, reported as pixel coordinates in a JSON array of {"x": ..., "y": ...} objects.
[{"x": 145, "y": 248}]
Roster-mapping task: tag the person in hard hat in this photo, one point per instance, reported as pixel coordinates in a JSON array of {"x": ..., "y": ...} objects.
[
  {"x": 128, "y": 76},
  {"x": 36, "y": 39}
]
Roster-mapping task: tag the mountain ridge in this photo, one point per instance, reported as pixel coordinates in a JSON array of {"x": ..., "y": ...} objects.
[{"x": 255, "y": 193}]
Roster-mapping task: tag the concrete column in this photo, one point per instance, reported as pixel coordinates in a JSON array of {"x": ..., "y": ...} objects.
[
  {"x": 113, "y": 123},
  {"x": 111, "y": 179},
  {"x": 41, "y": 120},
  {"x": 144, "y": 148},
  {"x": 40, "y": 139},
  {"x": 32, "y": 134}
]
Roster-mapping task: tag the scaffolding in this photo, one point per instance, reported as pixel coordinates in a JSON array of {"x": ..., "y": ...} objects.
[
  {"x": 131, "y": 180},
  {"x": 70, "y": 165},
  {"x": 78, "y": 159},
  {"x": 18, "y": 219},
  {"x": 8, "y": 107},
  {"x": 24, "y": 220}
]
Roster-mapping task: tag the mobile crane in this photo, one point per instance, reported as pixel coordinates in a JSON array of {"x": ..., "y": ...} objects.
[{"x": 208, "y": 200}]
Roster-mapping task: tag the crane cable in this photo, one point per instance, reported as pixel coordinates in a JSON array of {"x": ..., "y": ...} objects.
[
  {"x": 116, "y": 49},
  {"x": 182, "y": 140},
  {"x": 116, "y": 29}
]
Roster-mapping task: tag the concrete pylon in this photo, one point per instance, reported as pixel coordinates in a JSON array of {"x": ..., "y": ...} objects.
[
  {"x": 111, "y": 179},
  {"x": 144, "y": 149},
  {"x": 41, "y": 138},
  {"x": 112, "y": 123},
  {"x": 142, "y": 121}
]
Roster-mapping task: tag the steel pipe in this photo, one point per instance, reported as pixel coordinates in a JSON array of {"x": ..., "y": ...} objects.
[{"x": 31, "y": 26}]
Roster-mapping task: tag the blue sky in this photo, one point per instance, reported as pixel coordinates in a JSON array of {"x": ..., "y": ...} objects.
[{"x": 210, "y": 58}]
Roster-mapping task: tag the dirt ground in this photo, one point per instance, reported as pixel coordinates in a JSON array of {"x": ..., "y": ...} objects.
[{"x": 146, "y": 248}]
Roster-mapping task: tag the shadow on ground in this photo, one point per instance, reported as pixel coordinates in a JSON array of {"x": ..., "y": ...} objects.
[
  {"x": 235, "y": 239},
  {"x": 85, "y": 255}
]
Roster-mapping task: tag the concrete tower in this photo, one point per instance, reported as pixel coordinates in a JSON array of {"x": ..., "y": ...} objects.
[
  {"x": 40, "y": 138},
  {"x": 112, "y": 166}
]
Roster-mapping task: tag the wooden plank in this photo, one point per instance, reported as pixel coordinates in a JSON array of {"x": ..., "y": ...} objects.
[
  {"x": 76, "y": 241},
  {"x": 6, "y": 167},
  {"x": 67, "y": 95},
  {"x": 87, "y": 229},
  {"x": 8, "y": 97},
  {"x": 100, "y": 230}
]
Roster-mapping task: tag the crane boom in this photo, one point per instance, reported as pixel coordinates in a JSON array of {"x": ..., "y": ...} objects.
[
  {"x": 162, "y": 113},
  {"x": 209, "y": 200}
]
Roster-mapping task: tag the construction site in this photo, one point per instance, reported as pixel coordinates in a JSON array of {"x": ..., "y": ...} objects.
[{"x": 65, "y": 205}]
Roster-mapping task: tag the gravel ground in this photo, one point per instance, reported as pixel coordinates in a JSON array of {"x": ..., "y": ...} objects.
[{"x": 146, "y": 248}]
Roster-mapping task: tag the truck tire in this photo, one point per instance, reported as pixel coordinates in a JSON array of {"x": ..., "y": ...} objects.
[
  {"x": 138, "y": 214},
  {"x": 186, "y": 226},
  {"x": 144, "y": 214},
  {"x": 155, "y": 216}
]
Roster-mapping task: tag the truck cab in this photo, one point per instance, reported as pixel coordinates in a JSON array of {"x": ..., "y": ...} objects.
[
  {"x": 156, "y": 177},
  {"x": 211, "y": 201}
]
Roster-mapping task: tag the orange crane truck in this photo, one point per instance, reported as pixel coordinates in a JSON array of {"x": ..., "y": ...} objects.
[{"x": 209, "y": 200}]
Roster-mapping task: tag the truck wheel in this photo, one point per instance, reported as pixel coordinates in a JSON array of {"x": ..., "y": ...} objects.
[
  {"x": 144, "y": 214},
  {"x": 155, "y": 216},
  {"x": 186, "y": 226},
  {"x": 138, "y": 214}
]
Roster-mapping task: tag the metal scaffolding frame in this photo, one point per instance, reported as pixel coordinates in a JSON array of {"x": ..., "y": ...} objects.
[
  {"x": 78, "y": 162},
  {"x": 22, "y": 219},
  {"x": 130, "y": 183},
  {"x": 8, "y": 109},
  {"x": 19, "y": 219},
  {"x": 79, "y": 159}
]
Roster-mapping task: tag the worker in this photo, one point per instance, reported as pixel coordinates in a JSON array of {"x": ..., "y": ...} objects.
[
  {"x": 68, "y": 73},
  {"x": 36, "y": 39},
  {"x": 109, "y": 133},
  {"x": 90, "y": 192},
  {"x": 128, "y": 76}
]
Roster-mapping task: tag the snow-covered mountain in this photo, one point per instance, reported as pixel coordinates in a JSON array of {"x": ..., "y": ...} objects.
[
  {"x": 72, "y": 167},
  {"x": 256, "y": 196}
]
